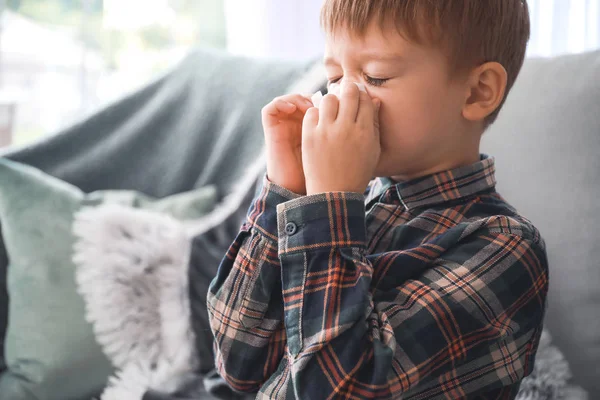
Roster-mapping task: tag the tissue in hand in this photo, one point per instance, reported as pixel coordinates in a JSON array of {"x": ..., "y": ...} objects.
[{"x": 334, "y": 88}]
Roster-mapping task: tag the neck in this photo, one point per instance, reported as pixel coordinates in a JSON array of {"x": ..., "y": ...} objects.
[
  {"x": 466, "y": 159},
  {"x": 466, "y": 152}
]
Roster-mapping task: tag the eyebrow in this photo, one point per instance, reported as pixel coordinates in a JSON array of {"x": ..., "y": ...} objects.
[{"x": 330, "y": 61}]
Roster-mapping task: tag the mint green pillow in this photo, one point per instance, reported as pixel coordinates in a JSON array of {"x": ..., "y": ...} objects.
[{"x": 50, "y": 350}]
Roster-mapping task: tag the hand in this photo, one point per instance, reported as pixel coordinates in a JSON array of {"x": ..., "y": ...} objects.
[
  {"x": 282, "y": 125},
  {"x": 340, "y": 142}
]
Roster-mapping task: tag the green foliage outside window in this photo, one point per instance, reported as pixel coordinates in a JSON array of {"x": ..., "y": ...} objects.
[
  {"x": 129, "y": 55},
  {"x": 204, "y": 18}
]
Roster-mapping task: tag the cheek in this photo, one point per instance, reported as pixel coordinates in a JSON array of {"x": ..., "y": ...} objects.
[
  {"x": 405, "y": 121},
  {"x": 416, "y": 110}
]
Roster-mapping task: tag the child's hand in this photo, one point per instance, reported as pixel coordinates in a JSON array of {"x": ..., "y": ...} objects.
[
  {"x": 340, "y": 142},
  {"x": 282, "y": 124}
]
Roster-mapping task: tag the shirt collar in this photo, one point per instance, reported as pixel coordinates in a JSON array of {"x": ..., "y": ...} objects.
[{"x": 439, "y": 187}]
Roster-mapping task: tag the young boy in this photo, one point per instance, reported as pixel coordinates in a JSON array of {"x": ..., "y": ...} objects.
[{"x": 422, "y": 283}]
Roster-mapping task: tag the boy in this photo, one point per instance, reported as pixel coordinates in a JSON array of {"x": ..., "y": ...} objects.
[{"x": 422, "y": 283}]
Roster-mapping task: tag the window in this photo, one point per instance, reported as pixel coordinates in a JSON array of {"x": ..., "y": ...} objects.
[
  {"x": 63, "y": 59},
  {"x": 564, "y": 26}
]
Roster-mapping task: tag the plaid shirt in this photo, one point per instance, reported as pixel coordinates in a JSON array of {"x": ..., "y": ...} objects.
[{"x": 429, "y": 289}]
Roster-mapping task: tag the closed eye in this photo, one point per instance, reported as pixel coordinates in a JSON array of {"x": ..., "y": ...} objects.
[
  {"x": 375, "y": 81},
  {"x": 369, "y": 79},
  {"x": 332, "y": 81}
]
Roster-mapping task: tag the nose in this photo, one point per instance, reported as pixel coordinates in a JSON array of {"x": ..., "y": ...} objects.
[
  {"x": 336, "y": 88},
  {"x": 350, "y": 79}
]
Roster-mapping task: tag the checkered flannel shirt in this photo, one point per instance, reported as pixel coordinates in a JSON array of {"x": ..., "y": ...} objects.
[{"x": 428, "y": 289}]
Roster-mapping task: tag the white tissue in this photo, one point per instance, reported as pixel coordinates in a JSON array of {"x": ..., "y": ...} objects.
[
  {"x": 335, "y": 89},
  {"x": 316, "y": 99}
]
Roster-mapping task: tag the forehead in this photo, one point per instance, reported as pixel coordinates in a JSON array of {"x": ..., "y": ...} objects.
[
  {"x": 376, "y": 43},
  {"x": 375, "y": 40}
]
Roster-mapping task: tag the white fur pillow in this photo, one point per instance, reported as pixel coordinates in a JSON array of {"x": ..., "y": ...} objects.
[{"x": 132, "y": 273}]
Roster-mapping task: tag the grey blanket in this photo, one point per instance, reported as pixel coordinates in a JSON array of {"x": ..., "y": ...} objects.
[{"x": 196, "y": 125}]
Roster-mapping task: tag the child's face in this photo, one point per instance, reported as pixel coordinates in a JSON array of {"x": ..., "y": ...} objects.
[{"x": 421, "y": 123}]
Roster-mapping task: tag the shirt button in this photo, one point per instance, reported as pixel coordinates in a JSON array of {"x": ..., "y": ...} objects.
[{"x": 291, "y": 228}]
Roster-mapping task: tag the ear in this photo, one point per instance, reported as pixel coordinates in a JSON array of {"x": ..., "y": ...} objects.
[{"x": 485, "y": 91}]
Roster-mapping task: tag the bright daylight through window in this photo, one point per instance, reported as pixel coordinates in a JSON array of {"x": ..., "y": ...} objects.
[{"x": 60, "y": 60}]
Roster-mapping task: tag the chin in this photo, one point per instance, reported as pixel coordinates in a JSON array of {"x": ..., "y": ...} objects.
[
  {"x": 388, "y": 167},
  {"x": 386, "y": 172}
]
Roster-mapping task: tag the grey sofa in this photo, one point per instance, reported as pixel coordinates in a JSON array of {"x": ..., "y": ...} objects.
[
  {"x": 545, "y": 142},
  {"x": 547, "y": 147}
]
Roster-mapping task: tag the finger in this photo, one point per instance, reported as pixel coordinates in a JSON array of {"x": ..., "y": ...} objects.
[
  {"x": 329, "y": 109},
  {"x": 276, "y": 110},
  {"x": 278, "y": 106},
  {"x": 349, "y": 101},
  {"x": 302, "y": 102},
  {"x": 377, "y": 105},
  {"x": 311, "y": 120},
  {"x": 366, "y": 110},
  {"x": 307, "y": 95}
]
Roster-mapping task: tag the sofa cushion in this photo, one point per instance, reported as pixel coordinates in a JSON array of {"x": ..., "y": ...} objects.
[
  {"x": 3, "y": 301},
  {"x": 51, "y": 350},
  {"x": 546, "y": 142}
]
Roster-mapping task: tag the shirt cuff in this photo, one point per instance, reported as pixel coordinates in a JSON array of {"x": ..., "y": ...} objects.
[
  {"x": 262, "y": 213},
  {"x": 321, "y": 221}
]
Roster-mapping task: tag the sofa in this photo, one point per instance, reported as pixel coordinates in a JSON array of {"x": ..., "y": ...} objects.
[
  {"x": 180, "y": 145},
  {"x": 546, "y": 143}
]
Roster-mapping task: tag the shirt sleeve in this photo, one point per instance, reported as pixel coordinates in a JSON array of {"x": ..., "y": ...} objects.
[
  {"x": 244, "y": 300},
  {"x": 457, "y": 318}
]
